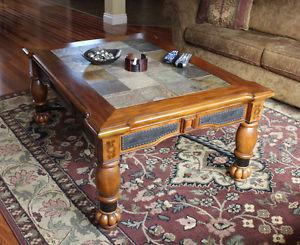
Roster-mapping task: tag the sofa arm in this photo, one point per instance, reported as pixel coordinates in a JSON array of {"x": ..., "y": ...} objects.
[{"x": 183, "y": 14}]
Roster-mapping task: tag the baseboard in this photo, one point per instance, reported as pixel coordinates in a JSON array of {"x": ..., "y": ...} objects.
[{"x": 115, "y": 19}]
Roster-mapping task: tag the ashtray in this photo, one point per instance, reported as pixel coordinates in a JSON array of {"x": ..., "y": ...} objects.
[{"x": 98, "y": 56}]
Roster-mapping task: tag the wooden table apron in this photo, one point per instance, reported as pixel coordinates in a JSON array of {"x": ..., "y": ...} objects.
[{"x": 116, "y": 131}]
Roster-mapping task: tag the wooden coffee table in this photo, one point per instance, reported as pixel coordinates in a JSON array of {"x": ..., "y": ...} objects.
[{"x": 125, "y": 111}]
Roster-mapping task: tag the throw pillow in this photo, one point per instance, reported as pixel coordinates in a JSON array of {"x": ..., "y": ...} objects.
[{"x": 226, "y": 13}]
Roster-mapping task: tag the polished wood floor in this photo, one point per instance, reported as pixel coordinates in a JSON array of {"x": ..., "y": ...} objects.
[
  {"x": 148, "y": 8},
  {"x": 44, "y": 24},
  {"x": 6, "y": 235}
]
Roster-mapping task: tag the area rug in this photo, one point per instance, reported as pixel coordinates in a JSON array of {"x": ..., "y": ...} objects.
[{"x": 177, "y": 192}]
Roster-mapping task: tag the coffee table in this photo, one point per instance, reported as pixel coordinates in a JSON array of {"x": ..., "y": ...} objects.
[{"x": 125, "y": 111}]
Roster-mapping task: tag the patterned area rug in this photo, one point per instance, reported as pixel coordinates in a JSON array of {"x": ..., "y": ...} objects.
[{"x": 177, "y": 192}]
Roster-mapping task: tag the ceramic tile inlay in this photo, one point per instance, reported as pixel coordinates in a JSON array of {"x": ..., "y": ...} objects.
[{"x": 123, "y": 89}]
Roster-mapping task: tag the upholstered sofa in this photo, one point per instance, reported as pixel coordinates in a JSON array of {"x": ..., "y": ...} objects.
[{"x": 268, "y": 53}]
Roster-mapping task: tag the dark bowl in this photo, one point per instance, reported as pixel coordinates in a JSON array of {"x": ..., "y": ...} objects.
[{"x": 115, "y": 52}]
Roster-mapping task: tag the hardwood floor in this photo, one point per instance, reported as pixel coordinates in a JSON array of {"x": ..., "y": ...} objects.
[
  {"x": 6, "y": 235},
  {"x": 43, "y": 24},
  {"x": 146, "y": 7}
]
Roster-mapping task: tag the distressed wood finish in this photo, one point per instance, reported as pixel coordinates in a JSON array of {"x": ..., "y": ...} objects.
[{"x": 115, "y": 129}]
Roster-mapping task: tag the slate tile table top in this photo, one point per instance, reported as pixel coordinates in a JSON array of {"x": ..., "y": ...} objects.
[
  {"x": 124, "y": 111},
  {"x": 122, "y": 88}
]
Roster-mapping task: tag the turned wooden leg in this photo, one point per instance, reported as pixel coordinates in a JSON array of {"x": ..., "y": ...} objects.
[
  {"x": 108, "y": 180},
  {"x": 245, "y": 141},
  {"x": 108, "y": 183},
  {"x": 39, "y": 94}
]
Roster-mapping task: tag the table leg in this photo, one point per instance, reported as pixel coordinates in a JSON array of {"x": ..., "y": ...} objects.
[
  {"x": 245, "y": 141},
  {"x": 39, "y": 93},
  {"x": 108, "y": 180}
]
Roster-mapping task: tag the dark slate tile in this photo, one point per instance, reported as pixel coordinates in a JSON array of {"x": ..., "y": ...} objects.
[{"x": 109, "y": 87}]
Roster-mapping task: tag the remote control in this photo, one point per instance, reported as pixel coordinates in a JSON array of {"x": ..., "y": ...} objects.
[
  {"x": 171, "y": 57},
  {"x": 183, "y": 60}
]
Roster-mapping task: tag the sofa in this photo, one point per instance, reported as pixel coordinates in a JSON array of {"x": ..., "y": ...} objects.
[{"x": 267, "y": 53}]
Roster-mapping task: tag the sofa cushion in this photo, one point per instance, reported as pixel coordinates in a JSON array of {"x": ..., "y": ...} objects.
[
  {"x": 278, "y": 17},
  {"x": 283, "y": 58},
  {"x": 245, "y": 46},
  {"x": 226, "y": 13}
]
